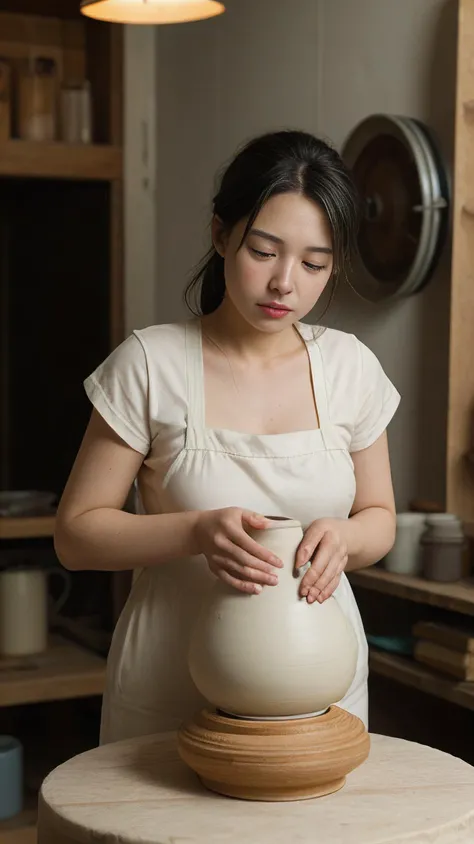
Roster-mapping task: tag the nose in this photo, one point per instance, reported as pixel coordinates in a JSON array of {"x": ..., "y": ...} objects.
[{"x": 282, "y": 278}]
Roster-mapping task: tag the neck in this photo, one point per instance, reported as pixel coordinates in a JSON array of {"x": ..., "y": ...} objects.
[{"x": 229, "y": 329}]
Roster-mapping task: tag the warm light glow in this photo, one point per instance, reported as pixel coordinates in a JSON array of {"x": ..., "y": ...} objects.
[{"x": 151, "y": 11}]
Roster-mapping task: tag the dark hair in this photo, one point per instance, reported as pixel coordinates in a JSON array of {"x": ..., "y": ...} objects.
[{"x": 276, "y": 163}]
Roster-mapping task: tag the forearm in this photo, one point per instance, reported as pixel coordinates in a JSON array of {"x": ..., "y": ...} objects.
[
  {"x": 369, "y": 535},
  {"x": 112, "y": 540}
]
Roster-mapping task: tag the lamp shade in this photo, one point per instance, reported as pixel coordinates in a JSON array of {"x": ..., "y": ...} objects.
[{"x": 151, "y": 11}]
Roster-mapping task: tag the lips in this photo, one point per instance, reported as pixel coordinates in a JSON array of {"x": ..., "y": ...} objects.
[
  {"x": 274, "y": 310},
  {"x": 274, "y": 306}
]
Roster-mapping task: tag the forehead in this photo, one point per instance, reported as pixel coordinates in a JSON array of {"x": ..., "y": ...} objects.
[{"x": 292, "y": 216}]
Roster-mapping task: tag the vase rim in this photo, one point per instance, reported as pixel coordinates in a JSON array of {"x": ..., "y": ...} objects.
[{"x": 280, "y": 522}]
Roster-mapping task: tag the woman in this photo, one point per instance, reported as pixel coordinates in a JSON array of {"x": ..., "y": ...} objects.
[{"x": 242, "y": 411}]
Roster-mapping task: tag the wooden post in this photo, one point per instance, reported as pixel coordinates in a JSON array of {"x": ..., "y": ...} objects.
[{"x": 460, "y": 471}]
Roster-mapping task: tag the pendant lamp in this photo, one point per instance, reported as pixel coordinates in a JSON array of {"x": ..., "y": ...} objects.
[{"x": 151, "y": 11}]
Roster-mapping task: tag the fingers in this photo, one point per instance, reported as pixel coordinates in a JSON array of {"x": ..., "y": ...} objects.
[
  {"x": 334, "y": 572},
  {"x": 328, "y": 590},
  {"x": 329, "y": 547},
  {"x": 230, "y": 548},
  {"x": 254, "y": 520},
  {"x": 246, "y": 568},
  {"x": 239, "y": 560},
  {"x": 326, "y": 577},
  {"x": 325, "y": 551},
  {"x": 245, "y": 586},
  {"x": 309, "y": 543},
  {"x": 242, "y": 540}
]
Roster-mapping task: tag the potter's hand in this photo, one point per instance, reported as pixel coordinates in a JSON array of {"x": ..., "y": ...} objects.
[
  {"x": 232, "y": 555},
  {"x": 323, "y": 544}
]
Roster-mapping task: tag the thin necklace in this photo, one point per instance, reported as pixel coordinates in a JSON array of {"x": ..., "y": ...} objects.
[
  {"x": 222, "y": 351},
  {"x": 214, "y": 343}
]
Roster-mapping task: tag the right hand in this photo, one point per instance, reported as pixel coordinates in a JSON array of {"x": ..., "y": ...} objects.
[{"x": 232, "y": 555}]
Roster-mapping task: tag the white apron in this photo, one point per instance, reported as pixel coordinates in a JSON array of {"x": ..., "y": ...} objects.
[{"x": 302, "y": 475}]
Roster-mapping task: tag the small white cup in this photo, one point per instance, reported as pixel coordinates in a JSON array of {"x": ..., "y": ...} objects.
[
  {"x": 24, "y": 609},
  {"x": 405, "y": 556}
]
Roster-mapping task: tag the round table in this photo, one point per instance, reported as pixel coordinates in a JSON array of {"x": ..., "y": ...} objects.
[{"x": 139, "y": 791}]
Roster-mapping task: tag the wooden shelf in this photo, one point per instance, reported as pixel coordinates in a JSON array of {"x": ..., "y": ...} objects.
[
  {"x": 411, "y": 673},
  {"x": 49, "y": 8},
  {"x": 457, "y": 597},
  {"x": 21, "y": 829},
  {"x": 47, "y": 741},
  {"x": 26, "y": 528},
  {"x": 29, "y": 160},
  {"x": 65, "y": 671},
  {"x": 20, "y": 835}
]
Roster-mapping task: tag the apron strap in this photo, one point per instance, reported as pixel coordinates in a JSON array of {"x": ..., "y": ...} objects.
[
  {"x": 319, "y": 384},
  {"x": 195, "y": 380}
]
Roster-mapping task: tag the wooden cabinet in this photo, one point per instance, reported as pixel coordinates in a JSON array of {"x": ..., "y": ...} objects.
[
  {"x": 61, "y": 263},
  {"x": 456, "y": 598},
  {"x": 61, "y": 313}
]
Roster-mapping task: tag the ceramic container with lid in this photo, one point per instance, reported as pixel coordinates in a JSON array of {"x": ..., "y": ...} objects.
[
  {"x": 444, "y": 547},
  {"x": 272, "y": 655}
]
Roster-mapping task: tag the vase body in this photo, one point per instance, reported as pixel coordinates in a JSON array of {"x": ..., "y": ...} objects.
[{"x": 272, "y": 655}]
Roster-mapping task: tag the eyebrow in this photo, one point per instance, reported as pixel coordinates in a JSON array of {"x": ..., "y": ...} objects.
[{"x": 260, "y": 233}]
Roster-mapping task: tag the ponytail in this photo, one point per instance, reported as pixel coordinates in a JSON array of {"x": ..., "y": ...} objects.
[{"x": 206, "y": 290}]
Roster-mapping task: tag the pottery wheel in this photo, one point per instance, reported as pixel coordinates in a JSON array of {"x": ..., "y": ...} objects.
[
  {"x": 274, "y": 760},
  {"x": 139, "y": 791}
]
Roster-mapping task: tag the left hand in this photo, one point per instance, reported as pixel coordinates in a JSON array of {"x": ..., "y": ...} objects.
[{"x": 324, "y": 545}]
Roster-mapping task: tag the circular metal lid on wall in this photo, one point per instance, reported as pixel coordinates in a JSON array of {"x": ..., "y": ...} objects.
[{"x": 404, "y": 188}]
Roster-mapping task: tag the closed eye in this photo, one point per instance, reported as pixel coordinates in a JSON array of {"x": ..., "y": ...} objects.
[
  {"x": 314, "y": 267},
  {"x": 262, "y": 254}
]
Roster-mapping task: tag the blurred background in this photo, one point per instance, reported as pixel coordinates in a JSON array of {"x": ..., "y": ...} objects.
[{"x": 111, "y": 139}]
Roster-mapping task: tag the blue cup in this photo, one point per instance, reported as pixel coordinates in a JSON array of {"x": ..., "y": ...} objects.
[{"x": 11, "y": 777}]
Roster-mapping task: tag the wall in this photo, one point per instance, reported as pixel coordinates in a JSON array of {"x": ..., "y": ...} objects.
[
  {"x": 398, "y": 57},
  {"x": 220, "y": 82},
  {"x": 140, "y": 194},
  {"x": 320, "y": 65}
]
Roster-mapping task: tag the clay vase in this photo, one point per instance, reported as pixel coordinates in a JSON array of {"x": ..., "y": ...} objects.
[{"x": 272, "y": 655}]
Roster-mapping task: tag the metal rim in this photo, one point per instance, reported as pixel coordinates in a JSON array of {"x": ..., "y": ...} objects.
[{"x": 433, "y": 207}]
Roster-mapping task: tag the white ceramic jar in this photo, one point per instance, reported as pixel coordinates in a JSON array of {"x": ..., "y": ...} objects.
[
  {"x": 405, "y": 556},
  {"x": 272, "y": 655}
]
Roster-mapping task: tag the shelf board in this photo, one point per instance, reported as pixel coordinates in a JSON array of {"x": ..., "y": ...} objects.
[
  {"x": 49, "y": 8},
  {"x": 411, "y": 673},
  {"x": 20, "y": 835},
  {"x": 22, "y": 828},
  {"x": 457, "y": 597},
  {"x": 30, "y": 160},
  {"x": 63, "y": 672},
  {"x": 26, "y": 528}
]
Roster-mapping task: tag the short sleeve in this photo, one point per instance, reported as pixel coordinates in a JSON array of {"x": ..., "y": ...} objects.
[
  {"x": 377, "y": 401},
  {"x": 118, "y": 389}
]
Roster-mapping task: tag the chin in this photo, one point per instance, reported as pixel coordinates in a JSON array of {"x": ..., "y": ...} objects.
[{"x": 269, "y": 326}]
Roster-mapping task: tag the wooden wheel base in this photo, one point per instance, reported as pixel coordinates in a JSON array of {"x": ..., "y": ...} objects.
[{"x": 274, "y": 760}]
